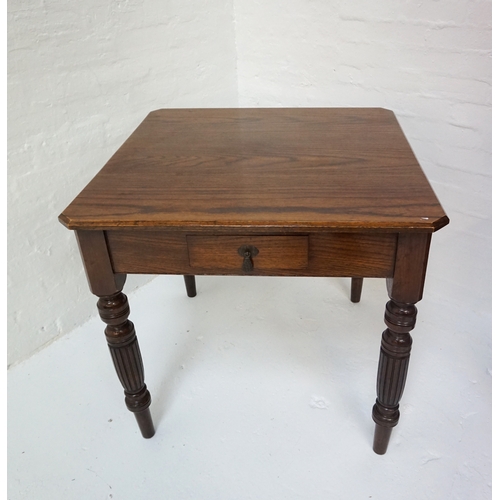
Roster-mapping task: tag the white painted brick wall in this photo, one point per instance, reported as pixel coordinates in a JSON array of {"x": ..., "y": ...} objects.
[
  {"x": 428, "y": 61},
  {"x": 82, "y": 75}
]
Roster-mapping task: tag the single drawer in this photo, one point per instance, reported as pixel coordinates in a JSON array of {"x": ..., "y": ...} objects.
[
  {"x": 248, "y": 253},
  {"x": 316, "y": 254}
]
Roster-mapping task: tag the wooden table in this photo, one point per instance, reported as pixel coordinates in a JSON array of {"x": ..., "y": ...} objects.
[{"x": 269, "y": 192}]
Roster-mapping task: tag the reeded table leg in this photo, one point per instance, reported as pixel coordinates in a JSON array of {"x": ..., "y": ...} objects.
[
  {"x": 392, "y": 370},
  {"x": 120, "y": 333},
  {"x": 405, "y": 289},
  {"x": 190, "y": 282},
  {"x": 122, "y": 341}
]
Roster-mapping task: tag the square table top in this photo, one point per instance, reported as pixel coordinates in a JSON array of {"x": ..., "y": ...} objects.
[{"x": 346, "y": 169}]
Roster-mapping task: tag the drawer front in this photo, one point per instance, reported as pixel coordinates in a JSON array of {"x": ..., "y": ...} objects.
[
  {"x": 320, "y": 254},
  {"x": 248, "y": 253}
]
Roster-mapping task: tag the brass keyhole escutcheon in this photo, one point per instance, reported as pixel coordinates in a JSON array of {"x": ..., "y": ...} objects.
[{"x": 248, "y": 252}]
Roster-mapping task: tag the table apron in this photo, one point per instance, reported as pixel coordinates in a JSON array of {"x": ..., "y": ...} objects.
[{"x": 314, "y": 254}]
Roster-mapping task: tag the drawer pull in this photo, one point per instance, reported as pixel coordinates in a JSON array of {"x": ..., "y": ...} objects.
[{"x": 248, "y": 252}]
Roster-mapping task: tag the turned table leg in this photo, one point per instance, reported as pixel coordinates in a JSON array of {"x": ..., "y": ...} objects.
[
  {"x": 120, "y": 332},
  {"x": 122, "y": 341},
  {"x": 405, "y": 289},
  {"x": 392, "y": 370}
]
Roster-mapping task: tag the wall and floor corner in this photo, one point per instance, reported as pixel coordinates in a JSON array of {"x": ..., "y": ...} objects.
[
  {"x": 429, "y": 62},
  {"x": 82, "y": 75}
]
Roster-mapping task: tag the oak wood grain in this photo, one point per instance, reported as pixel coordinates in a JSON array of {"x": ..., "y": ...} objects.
[
  {"x": 319, "y": 192},
  {"x": 329, "y": 254},
  {"x": 349, "y": 169},
  {"x": 407, "y": 284},
  {"x": 101, "y": 278},
  {"x": 274, "y": 252}
]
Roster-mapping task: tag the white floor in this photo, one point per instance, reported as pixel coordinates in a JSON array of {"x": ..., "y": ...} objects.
[{"x": 262, "y": 389}]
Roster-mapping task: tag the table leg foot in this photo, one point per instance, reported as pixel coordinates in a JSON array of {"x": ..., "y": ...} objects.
[
  {"x": 381, "y": 439},
  {"x": 392, "y": 370},
  {"x": 356, "y": 288},
  {"x": 190, "y": 282},
  {"x": 122, "y": 341},
  {"x": 145, "y": 423}
]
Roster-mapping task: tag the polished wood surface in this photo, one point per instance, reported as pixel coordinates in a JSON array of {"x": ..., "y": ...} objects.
[
  {"x": 124, "y": 348},
  {"x": 392, "y": 370},
  {"x": 120, "y": 332},
  {"x": 349, "y": 169},
  {"x": 405, "y": 289},
  {"x": 273, "y": 252},
  {"x": 328, "y": 254},
  {"x": 270, "y": 192}
]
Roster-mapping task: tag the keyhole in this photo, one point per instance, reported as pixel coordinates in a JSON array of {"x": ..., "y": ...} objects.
[
  {"x": 247, "y": 261},
  {"x": 248, "y": 252}
]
